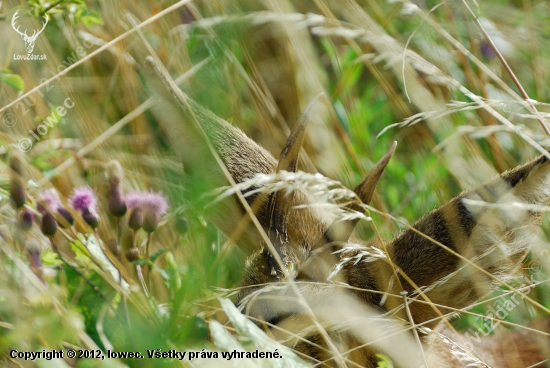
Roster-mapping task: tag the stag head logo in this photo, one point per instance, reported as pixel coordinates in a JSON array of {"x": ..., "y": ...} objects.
[{"x": 29, "y": 40}]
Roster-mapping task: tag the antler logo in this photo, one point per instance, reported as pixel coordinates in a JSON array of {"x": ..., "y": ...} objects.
[{"x": 29, "y": 40}]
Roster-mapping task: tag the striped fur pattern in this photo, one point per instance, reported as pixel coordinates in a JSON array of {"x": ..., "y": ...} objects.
[{"x": 351, "y": 295}]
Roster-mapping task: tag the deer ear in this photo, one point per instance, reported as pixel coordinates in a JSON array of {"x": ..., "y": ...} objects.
[
  {"x": 288, "y": 160},
  {"x": 341, "y": 230},
  {"x": 320, "y": 266},
  {"x": 365, "y": 189}
]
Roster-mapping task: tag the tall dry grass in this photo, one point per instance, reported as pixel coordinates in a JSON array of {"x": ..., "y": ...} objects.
[{"x": 419, "y": 72}]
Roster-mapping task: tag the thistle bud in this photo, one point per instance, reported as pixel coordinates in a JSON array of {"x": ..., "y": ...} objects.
[
  {"x": 182, "y": 225},
  {"x": 136, "y": 219},
  {"x": 115, "y": 174},
  {"x": 26, "y": 219},
  {"x": 48, "y": 203},
  {"x": 91, "y": 219},
  {"x": 48, "y": 225},
  {"x": 33, "y": 248},
  {"x": 15, "y": 164},
  {"x": 133, "y": 254},
  {"x": 114, "y": 171},
  {"x": 150, "y": 222},
  {"x": 17, "y": 189},
  {"x": 114, "y": 248},
  {"x": 17, "y": 193},
  {"x": 149, "y": 206},
  {"x": 66, "y": 215},
  {"x": 117, "y": 204}
]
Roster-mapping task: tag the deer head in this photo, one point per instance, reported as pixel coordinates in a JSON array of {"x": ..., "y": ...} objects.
[
  {"x": 443, "y": 262},
  {"x": 29, "y": 40}
]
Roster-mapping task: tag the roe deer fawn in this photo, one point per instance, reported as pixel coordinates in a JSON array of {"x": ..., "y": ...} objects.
[{"x": 335, "y": 299}]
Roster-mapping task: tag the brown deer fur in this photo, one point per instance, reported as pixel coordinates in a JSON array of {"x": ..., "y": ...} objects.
[{"x": 496, "y": 239}]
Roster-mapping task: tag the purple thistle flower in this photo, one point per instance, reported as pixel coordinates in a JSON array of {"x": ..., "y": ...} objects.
[
  {"x": 155, "y": 204},
  {"x": 84, "y": 201},
  {"x": 133, "y": 199},
  {"x": 48, "y": 201},
  {"x": 151, "y": 205}
]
